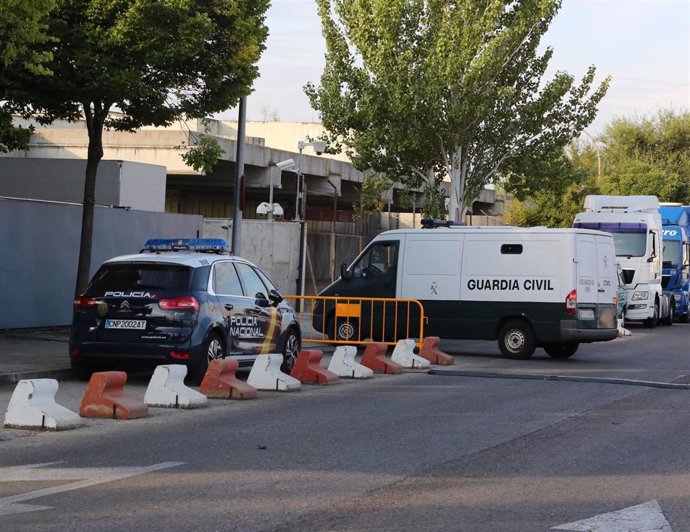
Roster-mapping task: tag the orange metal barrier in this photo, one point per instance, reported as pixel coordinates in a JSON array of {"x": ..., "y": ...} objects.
[{"x": 358, "y": 320}]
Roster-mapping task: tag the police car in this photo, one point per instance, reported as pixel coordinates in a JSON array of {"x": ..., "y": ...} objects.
[{"x": 180, "y": 301}]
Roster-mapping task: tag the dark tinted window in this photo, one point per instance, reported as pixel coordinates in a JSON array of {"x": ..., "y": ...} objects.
[
  {"x": 121, "y": 277},
  {"x": 511, "y": 249},
  {"x": 225, "y": 280},
  {"x": 253, "y": 286},
  {"x": 266, "y": 280}
]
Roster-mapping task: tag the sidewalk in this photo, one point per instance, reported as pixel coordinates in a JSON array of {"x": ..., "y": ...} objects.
[
  {"x": 36, "y": 354},
  {"x": 33, "y": 354}
]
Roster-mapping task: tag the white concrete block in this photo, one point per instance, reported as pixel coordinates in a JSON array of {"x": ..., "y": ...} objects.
[
  {"x": 33, "y": 406},
  {"x": 266, "y": 375},
  {"x": 343, "y": 364},
  {"x": 403, "y": 354},
  {"x": 166, "y": 388}
]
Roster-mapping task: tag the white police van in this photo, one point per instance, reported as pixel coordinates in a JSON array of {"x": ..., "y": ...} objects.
[{"x": 527, "y": 288}]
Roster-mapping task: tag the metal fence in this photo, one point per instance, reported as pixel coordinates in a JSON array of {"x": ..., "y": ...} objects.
[{"x": 358, "y": 320}]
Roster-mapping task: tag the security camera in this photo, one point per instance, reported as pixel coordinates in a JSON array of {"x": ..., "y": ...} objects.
[
  {"x": 319, "y": 146},
  {"x": 263, "y": 209},
  {"x": 277, "y": 210},
  {"x": 287, "y": 164}
]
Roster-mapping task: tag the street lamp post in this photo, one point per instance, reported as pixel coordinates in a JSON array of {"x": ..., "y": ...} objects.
[{"x": 300, "y": 210}]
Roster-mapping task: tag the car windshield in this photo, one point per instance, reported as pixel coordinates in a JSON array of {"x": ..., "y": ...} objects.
[{"x": 119, "y": 277}]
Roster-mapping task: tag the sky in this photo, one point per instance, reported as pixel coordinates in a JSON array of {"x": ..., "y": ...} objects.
[{"x": 644, "y": 45}]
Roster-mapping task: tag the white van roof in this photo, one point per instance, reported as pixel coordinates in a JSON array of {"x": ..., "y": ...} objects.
[{"x": 495, "y": 229}]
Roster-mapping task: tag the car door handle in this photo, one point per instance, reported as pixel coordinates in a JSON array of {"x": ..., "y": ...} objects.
[
  {"x": 229, "y": 306},
  {"x": 601, "y": 290}
]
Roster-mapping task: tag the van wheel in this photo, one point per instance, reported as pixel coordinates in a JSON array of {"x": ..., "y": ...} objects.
[
  {"x": 561, "y": 350},
  {"x": 348, "y": 330},
  {"x": 516, "y": 340}
]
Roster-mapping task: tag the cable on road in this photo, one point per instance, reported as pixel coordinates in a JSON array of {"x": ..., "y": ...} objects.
[{"x": 526, "y": 376}]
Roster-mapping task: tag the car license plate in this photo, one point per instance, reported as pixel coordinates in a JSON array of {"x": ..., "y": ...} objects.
[
  {"x": 125, "y": 324},
  {"x": 586, "y": 314}
]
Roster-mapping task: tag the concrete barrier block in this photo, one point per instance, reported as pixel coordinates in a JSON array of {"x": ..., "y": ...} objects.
[
  {"x": 308, "y": 368},
  {"x": 221, "y": 382},
  {"x": 105, "y": 397},
  {"x": 266, "y": 375},
  {"x": 430, "y": 351},
  {"x": 375, "y": 358},
  {"x": 167, "y": 389},
  {"x": 343, "y": 364},
  {"x": 33, "y": 406},
  {"x": 403, "y": 354}
]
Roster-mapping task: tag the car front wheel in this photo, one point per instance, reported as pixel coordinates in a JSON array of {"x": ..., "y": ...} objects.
[{"x": 291, "y": 349}]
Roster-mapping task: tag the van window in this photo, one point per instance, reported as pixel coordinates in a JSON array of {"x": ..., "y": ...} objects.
[
  {"x": 511, "y": 249},
  {"x": 380, "y": 259},
  {"x": 432, "y": 256}
]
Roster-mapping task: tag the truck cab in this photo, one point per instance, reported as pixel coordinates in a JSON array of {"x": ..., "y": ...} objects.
[
  {"x": 675, "y": 279},
  {"x": 635, "y": 224}
]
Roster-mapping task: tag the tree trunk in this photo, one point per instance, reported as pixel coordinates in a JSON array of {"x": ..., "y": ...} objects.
[
  {"x": 95, "y": 118},
  {"x": 457, "y": 207}
]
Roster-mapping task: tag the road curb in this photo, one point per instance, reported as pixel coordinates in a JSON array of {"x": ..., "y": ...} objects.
[{"x": 15, "y": 377}]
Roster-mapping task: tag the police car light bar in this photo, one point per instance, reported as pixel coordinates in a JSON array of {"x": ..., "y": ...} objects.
[
  {"x": 216, "y": 245},
  {"x": 428, "y": 223}
]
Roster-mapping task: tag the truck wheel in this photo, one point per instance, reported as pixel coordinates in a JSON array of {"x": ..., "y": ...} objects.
[
  {"x": 516, "y": 340},
  {"x": 671, "y": 314},
  {"x": 562, "y": 350},
  {"x": 650, "y": 323}
]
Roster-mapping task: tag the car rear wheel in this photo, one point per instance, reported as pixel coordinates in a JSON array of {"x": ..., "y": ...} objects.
[
  {"x": 291, "y": 349},
  {"x": 213, "y": 349},
  {"x": 517, "y": 340},
  {"x": 81, "y": 372},
  {"x": 561, "y": 350}
]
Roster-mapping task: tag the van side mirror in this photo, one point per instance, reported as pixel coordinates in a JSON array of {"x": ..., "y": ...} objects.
[{"x": 344, "y": 273}]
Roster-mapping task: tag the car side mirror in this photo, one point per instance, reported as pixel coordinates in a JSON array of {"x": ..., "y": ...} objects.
[
  {"x": 275, "y": 297},
  {"x": 344, "y": 273},
  {"x": 261, "y": 301}
]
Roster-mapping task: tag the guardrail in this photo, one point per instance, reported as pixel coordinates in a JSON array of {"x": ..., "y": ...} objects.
[{"x": 358, "y": 320}]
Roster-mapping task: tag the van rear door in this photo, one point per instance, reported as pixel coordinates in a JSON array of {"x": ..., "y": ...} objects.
[
  {"x": 607, "y": 282},
  {"x": 587, "y": 296}
]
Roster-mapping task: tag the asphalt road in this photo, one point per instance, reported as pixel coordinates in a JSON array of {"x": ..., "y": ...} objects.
[{"x": 399, "y": 452}]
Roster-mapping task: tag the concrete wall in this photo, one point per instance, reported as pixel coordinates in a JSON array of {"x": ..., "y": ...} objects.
[
  {"x": 40, "y": 250},
  {"x": 120, "y": 183},
  {"x": 273, "y": 246}
]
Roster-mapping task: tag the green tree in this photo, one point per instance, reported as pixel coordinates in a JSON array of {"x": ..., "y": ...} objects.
[
  {"x": 23, "y": 25},
  {"x": 153, "y": 61},
  {"x": 413, "y": 87},
  {"x": 648, "y": 155}
]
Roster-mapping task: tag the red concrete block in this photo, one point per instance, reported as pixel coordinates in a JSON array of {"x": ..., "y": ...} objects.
[
  {"x": 434, "y": 355},
  {"x": 308, "y": 370},
  {"x": 220, "y": 381},
  {"x": 105, "y": 397},
  {"x": 375, "y": 359}
]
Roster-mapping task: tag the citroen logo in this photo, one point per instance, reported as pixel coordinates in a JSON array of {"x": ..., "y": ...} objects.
[{"x": 124, "y": 305}]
